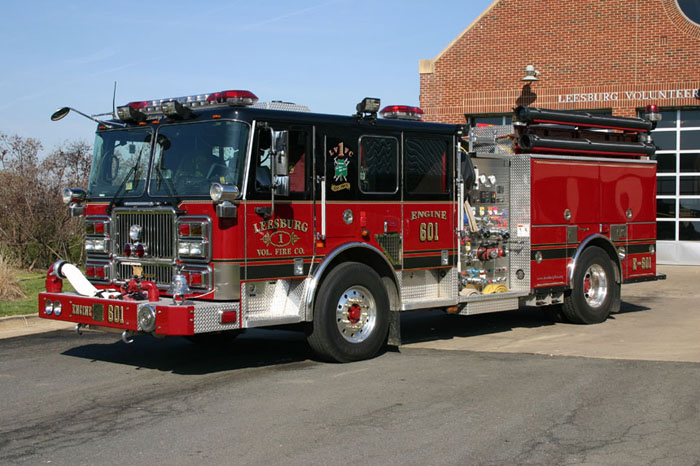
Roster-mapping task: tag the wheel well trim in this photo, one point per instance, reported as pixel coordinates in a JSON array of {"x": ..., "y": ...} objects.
[
  {"x": 318, "y": 273},
  {"x": 582, "y": 247}
]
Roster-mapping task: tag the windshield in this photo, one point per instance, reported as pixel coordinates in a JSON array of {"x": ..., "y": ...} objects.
[
  {"x": 189, "y": 157},
  {"x": 119, "y": 155}
]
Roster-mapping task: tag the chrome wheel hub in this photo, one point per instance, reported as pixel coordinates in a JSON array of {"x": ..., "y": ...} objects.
[
  {"x": 356, "y": 314},
  {"x": 595, "y": 285}
]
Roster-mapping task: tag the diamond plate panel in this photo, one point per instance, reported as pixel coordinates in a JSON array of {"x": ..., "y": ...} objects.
[
  {"x": 391, "y": 246},
  {"x": 271, "y": 301},
  {"x": 492, "y": 305},
  {"x": 520, "y": 215},
  {"x": 207, "y": 317},
  {"x": 419, "y": 285},
  {"x": 492, "y": 140},
  {"x": 422, "y": 285},
  {"x": 449, "y": 284}
]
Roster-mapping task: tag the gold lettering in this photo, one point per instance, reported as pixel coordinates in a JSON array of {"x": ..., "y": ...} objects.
[
  {"x": 281, "y": 223},
  {"x": 115, "y": 314},
  {"x": 428, "y": 232},
  {"x": 81, "y": 310},
  {"x": 417, "y": 214}
]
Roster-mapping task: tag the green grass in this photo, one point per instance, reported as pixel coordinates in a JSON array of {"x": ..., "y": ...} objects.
[{"x": 32, "y": 284}]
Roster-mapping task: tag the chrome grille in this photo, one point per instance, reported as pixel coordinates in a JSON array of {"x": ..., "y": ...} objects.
[
  {"x": 158, "y": 231},
  {"x": 161, "y": 274}
]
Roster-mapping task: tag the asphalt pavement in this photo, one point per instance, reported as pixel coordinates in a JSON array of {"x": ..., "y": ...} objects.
[
  {"x": 70, "y": 400},
  {"x": 506, "y": 388}
]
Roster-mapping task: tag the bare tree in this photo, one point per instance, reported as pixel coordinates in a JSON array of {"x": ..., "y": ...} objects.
[{"x": 35, "y": 227}]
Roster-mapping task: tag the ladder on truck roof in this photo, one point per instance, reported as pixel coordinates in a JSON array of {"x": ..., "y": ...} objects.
[{"x": 559, "y": 132}]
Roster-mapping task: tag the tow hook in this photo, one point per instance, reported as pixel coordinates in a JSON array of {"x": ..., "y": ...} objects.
[
  {"x": 78, "y": 328},
  {"x": 127, "y": 337}
]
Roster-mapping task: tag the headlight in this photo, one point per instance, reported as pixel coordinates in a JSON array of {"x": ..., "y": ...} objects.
[
  {"x": 57, "y": 308},
  {"x": 216, "y": 191},
  {"x": 73, "y": 195},
  {"x": 135, "y": 232},
  {"x": 48, "y": 307},
  {"x": 67, "y": 195},
  {"x": 221, "y": 192},
  {"x": 97, "y": 246},
  {"x": 192, "y": 248}
]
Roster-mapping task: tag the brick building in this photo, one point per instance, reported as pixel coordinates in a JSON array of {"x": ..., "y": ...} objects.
[{"x": 608, "y": 56}]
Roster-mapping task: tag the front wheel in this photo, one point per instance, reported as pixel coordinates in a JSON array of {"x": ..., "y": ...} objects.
[
  {"x": 351, "y": 314},
  {"x": 595, "y": 293}
]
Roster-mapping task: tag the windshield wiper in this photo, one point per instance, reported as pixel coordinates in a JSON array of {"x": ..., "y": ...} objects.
[
  {"x": 170, "y": 185},
  {"x": 116, "y": 197}
]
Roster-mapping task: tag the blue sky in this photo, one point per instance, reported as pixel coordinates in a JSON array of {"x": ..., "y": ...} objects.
[{"x": 327, "y": 54}]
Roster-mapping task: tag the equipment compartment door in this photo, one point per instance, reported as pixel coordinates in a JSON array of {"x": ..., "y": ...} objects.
[
  {"x": 362, "y": 197},
  {"x": 428, "y": 212}
]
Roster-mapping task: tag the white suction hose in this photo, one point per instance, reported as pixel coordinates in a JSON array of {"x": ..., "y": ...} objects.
[{"x": 82, "y": 286}]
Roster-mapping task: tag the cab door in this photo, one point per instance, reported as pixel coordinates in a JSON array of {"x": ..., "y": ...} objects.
[{"x": 279, "y": 239}]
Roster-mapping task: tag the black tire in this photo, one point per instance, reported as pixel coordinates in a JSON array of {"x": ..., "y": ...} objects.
[
  {"x": 351, "y": 314},
  {"x": 595, "y": 293}
]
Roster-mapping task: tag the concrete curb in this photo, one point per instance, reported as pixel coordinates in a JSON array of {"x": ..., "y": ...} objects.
[
  {"x": 10, "y": 320},
  {"x": 14, "y": 326}
]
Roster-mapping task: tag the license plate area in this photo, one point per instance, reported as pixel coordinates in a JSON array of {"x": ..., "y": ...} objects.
[{"x": 98, "y": 312}]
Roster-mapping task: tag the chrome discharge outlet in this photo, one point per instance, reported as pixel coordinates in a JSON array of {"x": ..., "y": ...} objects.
[
  {"x": 78, "y": 328},
  {"x": 127, "y": 337}
]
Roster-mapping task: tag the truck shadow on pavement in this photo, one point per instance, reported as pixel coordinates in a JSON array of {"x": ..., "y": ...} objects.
[
  {"x": 277, "y": 348},
  {"x": 422, "y": 326},
  {"x": 258, "y": 348}
]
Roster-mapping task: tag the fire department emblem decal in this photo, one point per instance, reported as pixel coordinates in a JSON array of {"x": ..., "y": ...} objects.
[
  {"x": 280, "y": 238},
  {"x": 341, "y": 161}
]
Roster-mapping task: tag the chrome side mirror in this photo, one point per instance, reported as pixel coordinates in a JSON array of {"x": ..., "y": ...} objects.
[
  {"x": 60, "y": 113},
  {"x": 280, "y": 141},
  {"x": 281, "y": 185}
]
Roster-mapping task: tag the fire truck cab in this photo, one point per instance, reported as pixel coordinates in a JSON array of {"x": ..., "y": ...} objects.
[{"x": 207, "y": 215}]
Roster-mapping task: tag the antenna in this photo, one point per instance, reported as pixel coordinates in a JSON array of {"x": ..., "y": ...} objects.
[{"x": 114, "y": 101}]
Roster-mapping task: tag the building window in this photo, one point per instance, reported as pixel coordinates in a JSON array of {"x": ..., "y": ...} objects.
[
  {"x": 690, "y": 9},
  {"x": 677, "y": 137},
  {"x": 489, "y": 120}
]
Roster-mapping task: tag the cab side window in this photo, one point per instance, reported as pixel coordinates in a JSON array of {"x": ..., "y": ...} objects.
[
  {"x": 298, "y": 151},
  {"x": 379, "y": 162},
  {"x": 262, "y": 146},
  {"x": 426, "y": 166}
]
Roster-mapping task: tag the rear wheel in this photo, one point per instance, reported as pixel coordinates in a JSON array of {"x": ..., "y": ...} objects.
[
  {"x": 595, "y": 293},
  {"x": 351, "y": 314}
]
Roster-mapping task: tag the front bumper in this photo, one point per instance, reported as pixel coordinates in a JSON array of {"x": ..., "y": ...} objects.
[{"x": 170, "y": 319}]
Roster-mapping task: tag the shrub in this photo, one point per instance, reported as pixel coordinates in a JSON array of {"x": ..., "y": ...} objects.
[{"x": 9, "y": 285}]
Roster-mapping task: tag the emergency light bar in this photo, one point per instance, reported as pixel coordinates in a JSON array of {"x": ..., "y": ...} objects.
[
  {"x": 402, "y": 112},
  {"x": 137, "y": 111}
]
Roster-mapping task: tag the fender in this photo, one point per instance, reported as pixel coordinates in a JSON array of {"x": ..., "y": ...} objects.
[
  {"x": 318, "y": 273},
  {"x": 584, "y": 244}
]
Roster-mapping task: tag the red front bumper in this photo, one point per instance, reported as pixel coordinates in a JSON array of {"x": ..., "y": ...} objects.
[{"x": 171, "y": 319}]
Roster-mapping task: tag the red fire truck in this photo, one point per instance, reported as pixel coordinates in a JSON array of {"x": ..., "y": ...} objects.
[{"x": 210, "y": 214}]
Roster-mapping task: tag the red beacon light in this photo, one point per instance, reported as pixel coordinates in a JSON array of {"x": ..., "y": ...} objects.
[
  {"x": 180, "y": 107},
  {"x": 651, "y": 112},
  {"x": 233, "y": 98},
  {"x": 402, "y": 112}
]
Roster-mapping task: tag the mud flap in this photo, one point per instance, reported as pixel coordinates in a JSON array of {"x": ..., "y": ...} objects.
[{"x": 394, "y": 338}]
